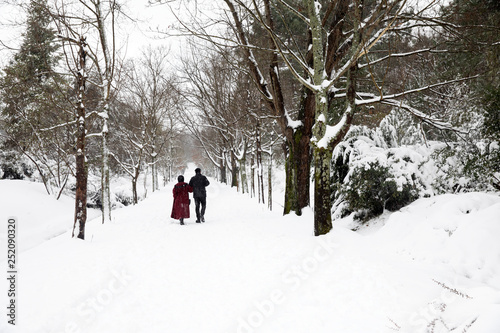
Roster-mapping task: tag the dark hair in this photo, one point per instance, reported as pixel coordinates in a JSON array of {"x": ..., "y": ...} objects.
[
  {"x": 180, "y": 179},
  {"x": 197, "y": 170}
]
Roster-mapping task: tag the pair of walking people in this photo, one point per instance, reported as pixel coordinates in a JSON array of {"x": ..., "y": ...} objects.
[{"x": 197, "y": 185}]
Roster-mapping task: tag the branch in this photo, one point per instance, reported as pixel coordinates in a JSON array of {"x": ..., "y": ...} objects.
[
  {"x": 400, "y": 55},
  {"x": 59, "y": 126},
  {"x": 434, "y": 122},
  {"x": 408, "y": 92}
]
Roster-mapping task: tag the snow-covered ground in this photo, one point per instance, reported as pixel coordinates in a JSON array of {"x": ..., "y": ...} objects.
[{"x": 434, "y": 266}]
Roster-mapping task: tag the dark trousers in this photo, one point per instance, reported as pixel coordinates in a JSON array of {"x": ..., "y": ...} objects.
[{"x": 203, "y": 202}]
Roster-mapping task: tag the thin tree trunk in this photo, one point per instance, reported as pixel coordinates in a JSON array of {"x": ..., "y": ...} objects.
[
  {"x": 223, "y": 175},
  {"x": 243, "y": 173},
  {"x": 40, "y": 171},
  {"x": 234, "y": 172},
  {"x": 81, "y": 164},
  {"x": 270, "y": 183},
  {"x": 135, "y": 199},
  {"x": 135, "y": 178},
  {"x": 107, "y": 78},
  {"x": 252, "y": 175},
  {"x": 260, "y": 169},
  {"x": 106, "y": 191},
  {"x": 146, "y": 181},
  {"x": 63, "y": 186},
  {"x": 290, "y": 203}
]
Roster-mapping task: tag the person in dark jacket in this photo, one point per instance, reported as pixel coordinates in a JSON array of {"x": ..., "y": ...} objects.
[
  {"x": 180, "y": 209},
  {"x": 199, "y": 182}
]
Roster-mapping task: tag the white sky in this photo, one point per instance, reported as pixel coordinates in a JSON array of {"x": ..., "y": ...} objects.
[{"x": 133, "y": 36}]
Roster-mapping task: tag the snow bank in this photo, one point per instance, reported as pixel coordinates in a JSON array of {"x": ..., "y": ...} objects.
[
  {"x": 40, "y": 216},
  {"x": 455, "y": 237},
  {"x": 457, "y": 231}
]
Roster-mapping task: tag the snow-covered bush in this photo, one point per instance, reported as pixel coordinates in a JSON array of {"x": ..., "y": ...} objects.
[
  {"x": 118, "y": 199},
  {"x": 12, "y": 167},
  {"x": 390, "y": 166},
  {"x": 472, "y": 161},
  {"x": 373, "y": 173},
  {"x": 372, "y": 189},
  {"x": 468, "y": 166}
]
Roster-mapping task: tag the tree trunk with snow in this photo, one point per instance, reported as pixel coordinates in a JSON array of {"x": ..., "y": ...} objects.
[
  {"x": 222, "y": 166},
  {"x": 270, "y": 183},
  {"x": 260, "y": 167},
  {"x": 243, "y": 173},
  {"x": 154, "y": 169},
  {"x": 321, "y": 151},
  {"x": 105, "y": 178},
  {"x": 252, "y": 174},
  {"x": 106, "y": 75},
  {"x": 234, "y": 171},
  {"x": 81, "y": 163}
]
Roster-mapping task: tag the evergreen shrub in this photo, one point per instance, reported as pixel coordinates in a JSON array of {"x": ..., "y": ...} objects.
[
  {"x": 372, "y": 172},
  {"x": 372, "y": 189}
]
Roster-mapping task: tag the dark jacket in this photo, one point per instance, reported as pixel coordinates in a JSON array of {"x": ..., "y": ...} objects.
[
  {"x": 199, "y": 182},
  {"x": 180, "y": 208}
]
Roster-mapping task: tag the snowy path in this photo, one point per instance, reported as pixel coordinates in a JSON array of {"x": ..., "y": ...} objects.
[{"x": 245, "y": 270}]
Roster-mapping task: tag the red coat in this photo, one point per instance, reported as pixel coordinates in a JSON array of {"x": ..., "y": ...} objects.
[{"x": 180, "y": 208}]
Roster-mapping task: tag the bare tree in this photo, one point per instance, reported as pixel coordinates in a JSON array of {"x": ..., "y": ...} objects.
[
  {"x": 147, "y": 124},
  {"x": 98, "y": 19},
  {"x": 84, "y": 28},
  {"x": 220, "y": 100}
]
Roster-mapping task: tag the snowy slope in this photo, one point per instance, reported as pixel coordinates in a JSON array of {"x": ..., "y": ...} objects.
[
  {"x": 432, "y": 267},
  {"x": 41, "y": 217}
]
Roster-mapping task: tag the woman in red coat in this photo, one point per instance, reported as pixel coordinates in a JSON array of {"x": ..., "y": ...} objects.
[{"x": 180, "y": 209}]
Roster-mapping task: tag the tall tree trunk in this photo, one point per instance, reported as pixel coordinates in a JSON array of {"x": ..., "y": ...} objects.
[
  {"x": 145, "y": 183},
  {"x": 135, "y": 198},
  {"x": 243, "y": 173},
  {"x": 81, "y": 163},
  {"x": 223, "y": 175},
  {"x": 290, "y": 203},
  {"x": 106, "y": 191},
  {"x": 322, "y": 154},
  {"x": 234, "y": 171},
  {"x": 260, "y": 167},
  {"x": 322, "y": 191},
  {"x": 298, "y": 170},
  {"x": 270, "y": 183},
  {"x": 135, "y": 178},
  {"x": 107, "y": 77},
  {"x": 252, "y": 174},
  {"x": 302, "y": 147},
  {"x": 154, "y": 171}
]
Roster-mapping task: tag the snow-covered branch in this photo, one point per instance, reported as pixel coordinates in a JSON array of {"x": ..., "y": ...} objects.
[
  {"x": 69, "y": 123},
  {"x": 377, "y": 99}
]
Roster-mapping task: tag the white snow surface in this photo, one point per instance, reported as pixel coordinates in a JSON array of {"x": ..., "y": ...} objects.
[{"x": 433, "y": 266}]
